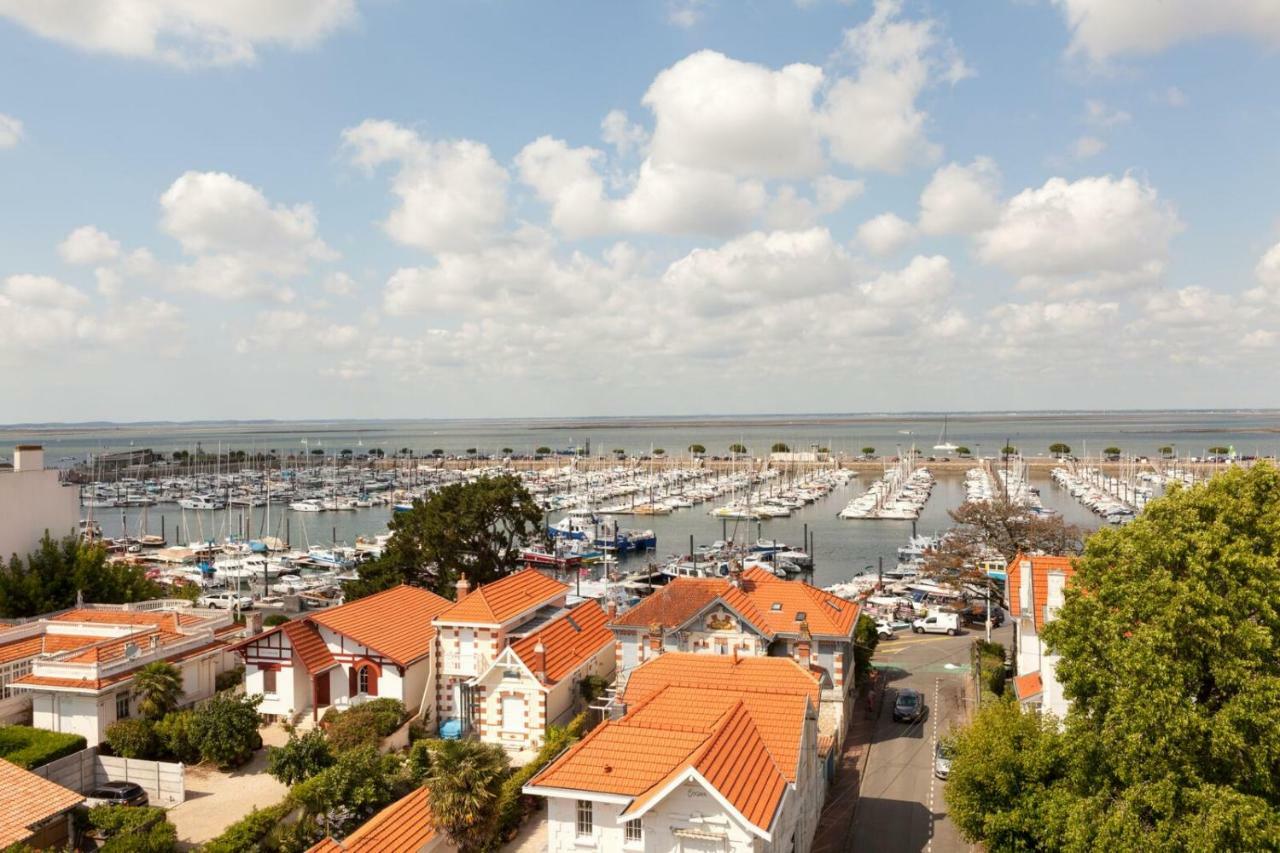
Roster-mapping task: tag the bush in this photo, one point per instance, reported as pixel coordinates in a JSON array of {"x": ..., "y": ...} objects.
[
  {"x": 418, "y": 762},
  {"x": 174, "y": 733},
  {"x": 134, "y": 830},
  {"x": 133, "y": 739},
  {"x": 301, "y": 758},
  {"x": 29, "y": 747},
  {"x": 360, "y": 783},
  {"x": 274, "y": 619},
  {"x": 364, "y": 725},
  {"x": 248, "y": 833},
  {"x": 229, "y": 679},
  {"x": 593, "y": 687},
  {"x": 225, "y": 729}
]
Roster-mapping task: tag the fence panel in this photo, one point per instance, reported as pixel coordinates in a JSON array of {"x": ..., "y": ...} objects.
[{"x": 164, "y": 782}]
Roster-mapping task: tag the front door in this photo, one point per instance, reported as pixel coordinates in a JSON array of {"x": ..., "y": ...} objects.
[{"x": 321, "y": 688}]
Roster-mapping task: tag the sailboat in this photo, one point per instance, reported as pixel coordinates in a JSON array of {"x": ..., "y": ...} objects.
[{"x": 944, "y": 446}]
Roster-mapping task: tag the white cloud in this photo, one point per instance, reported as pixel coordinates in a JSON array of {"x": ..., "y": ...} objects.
[
  {"x": 922, "y": 282},
  {"x": 1102, "y": 29},
  {"x": 1268, "y": 274},
  {"x": 961, "y": 199},
  {"x": 42, "y": 290},
  {"x": 1088, "y": 146},
  {"x": 1098, "y": 114},
  {"x": 87, "y": 245},
  {"x": 1174, "y": 97},
  {"x": 11, "y": 131},
  {"x": 186, "y": 33},
  {"x": 789, "y": 210},
  {"x": 47, "y": 315},
  {"x": 453, "y": 194},
  {"x": 885, "y": 234},
  {"x": 1196, "y": 307},
  {"x": 685, "y": 13},
  {"x": 617, "y": 129},
  {"x": 242, "y": 243},
  {"x": 1092, "y": 227},
  {"x": 872, "y": 120},
  {"x": 1034, "y": 324},
  {"x": 288, "y": 329},
  {"x": 713, "y": 112},
  {"x": 339, "y": 284}
]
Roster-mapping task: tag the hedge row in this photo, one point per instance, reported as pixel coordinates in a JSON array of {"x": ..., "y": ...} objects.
[{"x": 28, "y": 747}]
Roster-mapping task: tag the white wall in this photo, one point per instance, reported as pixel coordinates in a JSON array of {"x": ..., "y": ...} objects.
[
  {"x": 688, "y": 807},
  {"x": 30, "y": 503}
]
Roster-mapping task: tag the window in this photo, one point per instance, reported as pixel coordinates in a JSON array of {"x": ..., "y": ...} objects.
[
  {"x": 122, "y": 705},
  {"x": 363, "y": 680},
  {"x": 634, "y": 832},
  {"x": 585, "y": 825},
  {"x": 269, "y": 681},
  {"x": 10, "y": 673}
]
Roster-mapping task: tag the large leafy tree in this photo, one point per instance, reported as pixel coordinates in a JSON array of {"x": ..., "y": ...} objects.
[
  {"x": 463, "y": 785},
  {"x": 49, "y": 579},
  {"x": 982, "y": 527},
  {"x": 1170, "y": 654},
  {"x": 476, "y": 528},
  {"x": 158, "y": 688}
]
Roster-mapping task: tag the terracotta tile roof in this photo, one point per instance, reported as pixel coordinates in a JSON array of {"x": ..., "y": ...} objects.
[
  {"x": 115, "y": 678},
  {"x": 395, "y": 622},
  {"x": 769, "y": 603},
  {"x": 495, "y": 603},
  {"x": 405, "y": 826},
  {"x": 568, "y": 641},
  {"x": 1042, "y": 565},
  {"x": 743, "y": 736},
  {"x": 161, "y": 618},
  {"x": 688, "y": 669},
  {"x": 42, "y": 644},
  {"x": 309, "y": 646},
  {"x": 1027, "y": 686},
  {"x": 113, "y": 648},
  {"x": 27, "y": 799}
]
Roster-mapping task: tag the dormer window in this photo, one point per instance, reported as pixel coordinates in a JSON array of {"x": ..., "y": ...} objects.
[
  {"x": 801, "y": 615},
  {"x": 776, "y": 606}
]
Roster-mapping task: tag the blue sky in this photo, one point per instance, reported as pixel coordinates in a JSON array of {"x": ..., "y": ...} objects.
[{"x": 391, "y": 209}]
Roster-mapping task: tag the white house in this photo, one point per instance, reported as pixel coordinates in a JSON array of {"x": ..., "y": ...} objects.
[
  {"x": 32, "y": 501},
  {"x": 534, "y": 682},
  {"x": 380, "y": 645},
  {"x": 78, "y": 666},
  {"x": 707, "y": 754},
  {"x": 1036, "y": 587},
  {"x": 751, "y": 613}
]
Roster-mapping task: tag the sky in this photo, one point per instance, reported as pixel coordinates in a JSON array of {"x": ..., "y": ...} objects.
[{"x": 477, "y": 208}]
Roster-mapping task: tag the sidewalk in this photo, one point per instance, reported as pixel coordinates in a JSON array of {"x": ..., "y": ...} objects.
[{"x": 835, "y": 825}]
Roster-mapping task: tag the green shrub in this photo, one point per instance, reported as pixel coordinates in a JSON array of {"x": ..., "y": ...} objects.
[
  {"x": 174, "y": 733},
  {"x": 418, "y": 762},
  {"x": 274, "y": 619},
  {"x": 134, "y": 830},
  {"x": 301, "y": 758},
  {"x": 248, "y": 833},
  {"x": 360, "y": 783},
  {"x": 225, "y": 729},
  {"x": 229, "y": 679},
  {"x": 29, "y": 747},
  {"x": 364, "y": 725},
  {"x": 133, "y": 739},
  {"x": 593, "y": 687}
]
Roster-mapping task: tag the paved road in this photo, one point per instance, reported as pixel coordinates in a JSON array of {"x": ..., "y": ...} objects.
[{"x": 901, "y": 807}]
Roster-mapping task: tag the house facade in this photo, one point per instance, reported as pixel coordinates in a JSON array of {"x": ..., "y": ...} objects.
[
  {"x": 706, "y": 753},
  {"x": 33, "y": 502},
  {"x": 1036, "y": 591},
  {"x": 752, "y": 613},
  {"x": 380, "y": 645},
  {"x": 77, "y": 667}
]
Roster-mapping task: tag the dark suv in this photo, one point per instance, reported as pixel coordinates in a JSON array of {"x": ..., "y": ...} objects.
[
  {"x": 976, "y": 614},
  {"x": 909, "y": 706},
  {"x": 117, "y": 794}
]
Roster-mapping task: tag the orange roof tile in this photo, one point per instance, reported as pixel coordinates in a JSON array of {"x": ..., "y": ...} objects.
[
  {"x": 1042, "y": 565},
  {"x": 27, "y": 799},
  {"x": 568, "y": 641},
  {"x": 1029, "y": 685},
  {"x": 395, "y": 622},
  {"x": 159, "y": 618},
  {"x": 29, "y": 647},
  {"x": 116, "y": 678},
  {"x": 741, "y": 732},
  {"x": 495, "y": 603},
  {"x": 772, "y": 605},
  {"x": 688, "y": 669},
  {"x": 402, "y": 827}
]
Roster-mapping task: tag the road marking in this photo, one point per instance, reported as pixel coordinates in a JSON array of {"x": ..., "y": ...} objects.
[{"x": 933, "y": 752}]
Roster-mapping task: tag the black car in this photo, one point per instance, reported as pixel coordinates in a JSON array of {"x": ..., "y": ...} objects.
[
  {"x": 976, "y": 614},
  {"x": 117, "y": 794},
  {"x": 909, "y": 706}
]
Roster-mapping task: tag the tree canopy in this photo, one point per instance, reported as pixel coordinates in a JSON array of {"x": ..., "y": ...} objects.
[
  {"x": 780, "y": 447},
  {"x": 1000, "y": 526},
  {"x": 475, "y": 527},
  {"x": 1170, "y": 655},
  {"x": 49, "y": 579},
  {"x": 1059, "y": 449},
  {"x": 463, "y": 784}
]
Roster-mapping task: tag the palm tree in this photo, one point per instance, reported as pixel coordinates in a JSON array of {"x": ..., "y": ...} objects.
[
  {"x": 463, "y": 786},
  {"x": 157, "y": 687}
]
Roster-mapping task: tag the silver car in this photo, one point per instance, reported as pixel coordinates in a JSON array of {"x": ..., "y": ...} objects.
[{"x": 942, "y": 760}]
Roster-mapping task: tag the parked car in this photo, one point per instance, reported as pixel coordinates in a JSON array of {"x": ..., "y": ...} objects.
[
  {"x": 117, "y": 794},
  {"x": 940, "y": 622},
  {"x": 976, "y": 614},
  {"x": 224, "y": 601},
  {"x": 909, "y": 706},
  {"x": 942, "y": 760},
  {"x": 884, "y": 628}
]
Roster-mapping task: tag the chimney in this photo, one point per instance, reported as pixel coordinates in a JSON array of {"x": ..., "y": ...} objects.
[
  {"x": 155, "y": 641},
  {"x": 28, "y": 457},
  {"x": 655, "y": 637},
  {"x": 540, "y": 661},
  {"x": 805, "y": 643},
  {"x": 612, "y": 611},
  {"x": 462, "y": 588}
]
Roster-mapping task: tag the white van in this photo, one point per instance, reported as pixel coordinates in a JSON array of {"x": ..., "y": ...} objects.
[{"x": 938, "y": 622}]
